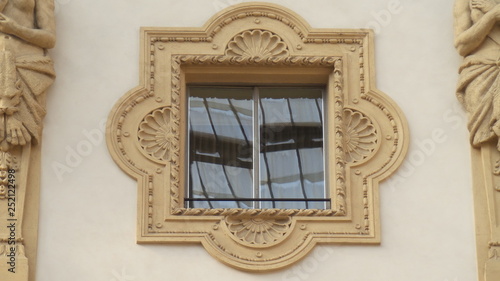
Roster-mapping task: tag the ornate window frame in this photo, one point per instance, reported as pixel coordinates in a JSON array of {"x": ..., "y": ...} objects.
[{"x": 368, "y": 135}]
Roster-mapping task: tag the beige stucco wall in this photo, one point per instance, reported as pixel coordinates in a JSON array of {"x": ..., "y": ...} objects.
[{"x": 88, "y": 206}]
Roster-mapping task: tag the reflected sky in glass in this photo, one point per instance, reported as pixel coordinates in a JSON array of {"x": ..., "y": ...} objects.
[
  {"x": 220, "y": 146},
  {"x": 289, "y": 130},
  {"x": 291, "y": 146}
]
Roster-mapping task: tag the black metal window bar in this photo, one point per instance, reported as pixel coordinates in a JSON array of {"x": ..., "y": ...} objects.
[{"x": 286, "y": 168}]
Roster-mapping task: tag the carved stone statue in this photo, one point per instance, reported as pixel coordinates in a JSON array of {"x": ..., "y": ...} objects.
[
  {"x": 477, "y": 39},
  {"x": 27, "y": 30}
]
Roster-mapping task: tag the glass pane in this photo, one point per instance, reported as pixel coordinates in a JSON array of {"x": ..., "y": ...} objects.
[
  {"x": 220, "y": 146},
  {"x": 291, "y": 147}
]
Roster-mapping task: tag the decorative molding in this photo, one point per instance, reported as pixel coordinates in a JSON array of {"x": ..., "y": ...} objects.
[
  {"x": 179, "y": 61},
  {"x": 283, "y": 19},
  {"x": 257, "y": 44},
  {"x": 360, "y": 139},
  {"x": 340, "y": 160},
  {"x": 302, "y": 61},
  {"x": 258, "y": 231},
  {"x": 290, "y": 20},
  {"x": 7, "y": 162},
  {"x": 366, "y": 140},
  {"x": 155, "y": 135}
]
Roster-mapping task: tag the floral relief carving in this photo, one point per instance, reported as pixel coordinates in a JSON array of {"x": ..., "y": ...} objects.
[
  {"x": 250, "y": 37},
  {"x": 360, "y": 136},
  {"x": 258, "y": 230},
  {"x": 257, "y": 44},
  {"x": 155, "y": 135}
]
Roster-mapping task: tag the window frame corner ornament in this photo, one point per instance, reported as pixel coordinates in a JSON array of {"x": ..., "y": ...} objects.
[{"x": 287, "y": 50}]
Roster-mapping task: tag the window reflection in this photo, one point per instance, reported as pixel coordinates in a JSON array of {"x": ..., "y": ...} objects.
[
  {"x": 291, "y": 147},
  {"x": 220, "y": 141},
  {"x": 289, "y": 163}
]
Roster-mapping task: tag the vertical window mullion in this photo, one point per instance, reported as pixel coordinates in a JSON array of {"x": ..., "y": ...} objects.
[{"x": 256, "y": 149}]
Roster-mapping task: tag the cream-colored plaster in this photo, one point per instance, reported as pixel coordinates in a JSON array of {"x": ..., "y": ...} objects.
[
  {"x": 258, "y": 43},
  {"x": 426, "y": 209}
]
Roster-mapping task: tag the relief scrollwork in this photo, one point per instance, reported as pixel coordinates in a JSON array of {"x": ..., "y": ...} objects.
[{"x": 7, "y": 162}]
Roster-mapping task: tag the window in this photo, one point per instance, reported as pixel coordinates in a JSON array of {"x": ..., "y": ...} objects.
[
  {"x": 257, "y": 136},
  {"x": 285, "y": 170}
]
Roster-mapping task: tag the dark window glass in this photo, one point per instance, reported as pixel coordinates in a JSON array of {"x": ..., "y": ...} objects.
[
  {"x": 285, "y": 169},
  {"x": 291, "y": 147}
]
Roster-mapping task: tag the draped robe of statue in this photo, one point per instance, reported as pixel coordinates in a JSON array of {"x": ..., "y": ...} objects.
[
  {"x": 479, "y": 86},
  {"x": 27, "y": 30},
  {"x": 477, "y": 38}
]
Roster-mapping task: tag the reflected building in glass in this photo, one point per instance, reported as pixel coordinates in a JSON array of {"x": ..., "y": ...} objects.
[{"x": 285, "y": 170}]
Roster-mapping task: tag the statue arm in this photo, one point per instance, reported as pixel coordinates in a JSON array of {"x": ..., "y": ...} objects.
[
  {"x": 43, "y": 35},
  {"x": 468, "y": 36}
]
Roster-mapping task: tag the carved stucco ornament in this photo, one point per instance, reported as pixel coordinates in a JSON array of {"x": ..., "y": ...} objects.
[
  {"x": 258, "y": 231},
  {"x": 360, "y": 138},
  {"x": 155, "y": 135},
  {"x": 7, "y": 162},
  {"x": 255, "y": 43},
  {"x": 258, "y": 44},
  {"x": 477, "y": 39}
]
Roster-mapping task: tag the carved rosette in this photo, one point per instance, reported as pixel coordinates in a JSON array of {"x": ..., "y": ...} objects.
[
  {"x": 257, "y": 44},
  {"x": 251, "y": 36},
  {"x": 360, "y": 136},
  {"x": 155, "y": 136},
  {"x": 258, "y": 231}
]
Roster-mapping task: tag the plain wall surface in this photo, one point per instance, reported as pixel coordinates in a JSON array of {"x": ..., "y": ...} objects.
[{"x": 89, "y": 206}]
